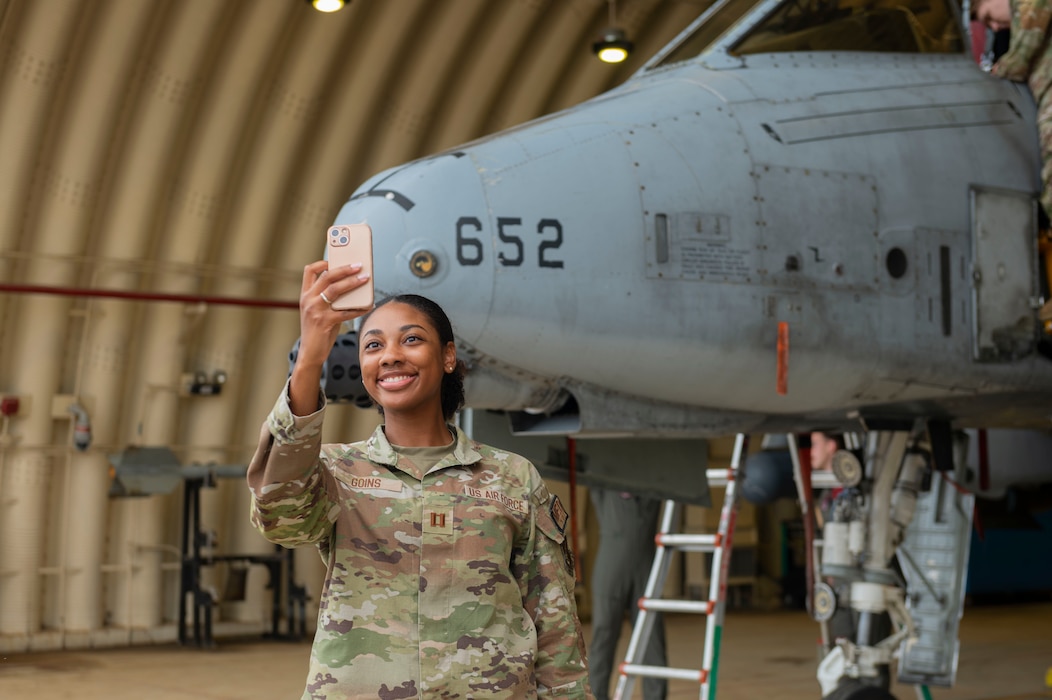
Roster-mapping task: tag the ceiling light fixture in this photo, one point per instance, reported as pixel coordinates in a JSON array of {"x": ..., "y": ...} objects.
[
  {"x": 327, "y": 6},
  {"x": 613, "y": 46}
]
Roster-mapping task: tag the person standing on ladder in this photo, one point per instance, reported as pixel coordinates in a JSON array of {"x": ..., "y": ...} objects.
[{"x": 627, "y": 527}]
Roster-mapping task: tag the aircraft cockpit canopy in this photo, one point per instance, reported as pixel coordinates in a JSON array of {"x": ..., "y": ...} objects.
[{"x": 898, "y": 26}]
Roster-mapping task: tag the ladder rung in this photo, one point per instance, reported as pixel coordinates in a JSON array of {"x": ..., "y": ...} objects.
[
  {"x": 688, "y": 542},
  {"x": 679, "y": 674},
  {"x": 719, "y": 477},
  {"x": 704, "y": 607}
]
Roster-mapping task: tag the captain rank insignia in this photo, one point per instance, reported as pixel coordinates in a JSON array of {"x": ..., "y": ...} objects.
[{"x": 438, "y": 521}]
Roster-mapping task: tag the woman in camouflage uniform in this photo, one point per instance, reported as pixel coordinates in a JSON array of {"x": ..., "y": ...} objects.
[{"x": 448, "y": 572}]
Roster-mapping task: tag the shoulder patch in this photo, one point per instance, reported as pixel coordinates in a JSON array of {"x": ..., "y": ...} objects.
[{"x": 558, "y": 513}]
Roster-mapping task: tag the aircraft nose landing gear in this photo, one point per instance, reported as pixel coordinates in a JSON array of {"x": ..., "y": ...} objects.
[{"x": 889, "y": 571}]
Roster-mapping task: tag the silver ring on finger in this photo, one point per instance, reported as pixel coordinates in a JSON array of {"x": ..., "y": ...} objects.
[{"x": 326, "y": 299}]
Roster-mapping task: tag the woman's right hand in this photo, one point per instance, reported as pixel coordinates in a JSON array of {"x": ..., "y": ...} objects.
[{"x": 319, "y": 326}]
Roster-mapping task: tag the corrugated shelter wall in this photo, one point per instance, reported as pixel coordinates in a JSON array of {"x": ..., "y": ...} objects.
[{"x": 199, "y": 148}]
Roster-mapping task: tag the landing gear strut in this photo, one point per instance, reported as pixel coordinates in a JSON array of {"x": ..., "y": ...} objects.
[{"x": 874, "y": 583}]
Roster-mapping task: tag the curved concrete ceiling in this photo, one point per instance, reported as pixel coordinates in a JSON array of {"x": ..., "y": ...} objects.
[
  {"x": 173, "y": 153},
  {"x": 199, "y": 148}
]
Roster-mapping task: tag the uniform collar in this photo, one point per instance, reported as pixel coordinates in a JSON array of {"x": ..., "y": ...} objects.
[{"x": 379, "y": 450}]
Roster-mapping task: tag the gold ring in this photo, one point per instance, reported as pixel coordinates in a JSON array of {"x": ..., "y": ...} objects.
[{"x": 326, "y": 299}]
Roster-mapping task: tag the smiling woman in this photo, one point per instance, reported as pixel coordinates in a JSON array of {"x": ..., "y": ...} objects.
[
  {"x": 409, "y": 362},
  {"x": 448, "y": 572}
]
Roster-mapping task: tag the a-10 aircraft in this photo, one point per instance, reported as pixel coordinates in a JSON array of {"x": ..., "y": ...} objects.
[{"x": 800, "y": 214}]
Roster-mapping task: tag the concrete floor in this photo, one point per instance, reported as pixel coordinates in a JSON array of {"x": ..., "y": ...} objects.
[{"x": 1006, "y": 651}]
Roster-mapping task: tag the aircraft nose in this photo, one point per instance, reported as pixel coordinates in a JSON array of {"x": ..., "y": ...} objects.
[{"x": 426, "y": 220}]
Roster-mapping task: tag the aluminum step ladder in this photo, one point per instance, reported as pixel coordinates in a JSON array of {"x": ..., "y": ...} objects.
[{"x": 669, "y": 542}]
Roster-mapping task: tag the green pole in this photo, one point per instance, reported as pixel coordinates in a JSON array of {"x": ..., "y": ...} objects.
[{"x": 716, "y": 661}]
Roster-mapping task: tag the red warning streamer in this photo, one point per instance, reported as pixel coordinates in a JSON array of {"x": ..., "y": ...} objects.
[{"x": 782, "y": 382}]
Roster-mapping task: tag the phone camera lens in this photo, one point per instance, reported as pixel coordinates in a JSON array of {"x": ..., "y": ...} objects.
[{"x": 344, "y": 240}]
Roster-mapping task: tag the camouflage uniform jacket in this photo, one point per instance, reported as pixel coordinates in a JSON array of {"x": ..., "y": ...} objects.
[
  {"x": 1029, "y": 57},
  {"x": 458, "y": 584}
]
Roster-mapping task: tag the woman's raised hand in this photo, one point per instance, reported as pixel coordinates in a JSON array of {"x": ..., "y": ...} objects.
[{"x": 319, "y": 326}]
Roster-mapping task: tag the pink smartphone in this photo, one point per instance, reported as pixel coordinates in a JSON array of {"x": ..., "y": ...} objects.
[{"x": 348, "y": 244}]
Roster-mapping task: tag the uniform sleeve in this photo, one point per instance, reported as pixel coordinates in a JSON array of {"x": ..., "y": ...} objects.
[
  {"x": 548, "y": 595},
  {"x": 1030, "y": 23},
  {"x": 290, "y": 490}
]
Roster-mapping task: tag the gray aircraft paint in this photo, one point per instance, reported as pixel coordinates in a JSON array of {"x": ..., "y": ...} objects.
[{"x": 638, "y": 251}]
